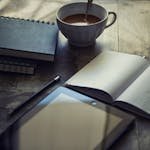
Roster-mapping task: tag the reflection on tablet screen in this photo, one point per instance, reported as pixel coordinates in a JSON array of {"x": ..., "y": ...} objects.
[{"x": 65, "y": 124}]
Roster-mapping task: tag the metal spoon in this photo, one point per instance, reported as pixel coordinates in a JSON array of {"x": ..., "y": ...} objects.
[{"x": 89, "y": 3}]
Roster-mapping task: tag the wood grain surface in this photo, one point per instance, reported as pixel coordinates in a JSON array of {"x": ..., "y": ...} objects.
[{"x": 129, "y": 34}]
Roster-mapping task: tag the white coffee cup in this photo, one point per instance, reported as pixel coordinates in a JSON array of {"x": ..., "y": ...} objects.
[{"x": 83, "y": 35}]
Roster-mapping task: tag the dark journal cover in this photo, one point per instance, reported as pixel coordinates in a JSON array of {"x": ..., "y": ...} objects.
[
  {"x": 17, "y": 65},
  {"x": 28, "y": 38}
]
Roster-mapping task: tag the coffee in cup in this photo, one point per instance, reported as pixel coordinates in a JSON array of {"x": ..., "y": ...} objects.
[
  {"x": 79, "y": 19},
  {"x": 81, "y": 31}
]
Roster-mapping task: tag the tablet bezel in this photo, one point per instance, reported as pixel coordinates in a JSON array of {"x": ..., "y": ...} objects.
[{"x": 126, "y": 119}]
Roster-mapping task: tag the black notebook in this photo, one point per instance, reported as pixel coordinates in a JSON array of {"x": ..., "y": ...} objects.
[
  {"x": 28, "y": 38},
  {"x": 17, "y": 65}
]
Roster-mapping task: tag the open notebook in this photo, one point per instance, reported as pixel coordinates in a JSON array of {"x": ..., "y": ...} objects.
[{"x": 116, "y": 78}]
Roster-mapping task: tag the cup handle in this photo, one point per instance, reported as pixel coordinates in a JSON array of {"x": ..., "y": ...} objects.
[{"x": 113, "y": 20}]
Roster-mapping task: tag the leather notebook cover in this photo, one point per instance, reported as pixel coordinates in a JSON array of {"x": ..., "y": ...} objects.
[
  {"x": 28, "y": 38},
  {"x": 17, "y": 65}
]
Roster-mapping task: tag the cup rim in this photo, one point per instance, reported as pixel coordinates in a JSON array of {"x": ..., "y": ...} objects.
[{"x": 58, "y": 18}]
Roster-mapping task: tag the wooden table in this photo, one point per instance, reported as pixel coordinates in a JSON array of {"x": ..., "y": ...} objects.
[{"x": 130, "y": 34}]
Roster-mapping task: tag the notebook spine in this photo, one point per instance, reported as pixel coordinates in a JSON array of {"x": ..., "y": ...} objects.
[
  {"x": 15, "y": 65},
  {"x": 30, "y": 20}
]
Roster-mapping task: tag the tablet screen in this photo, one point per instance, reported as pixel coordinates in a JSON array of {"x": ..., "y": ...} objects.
[{"x": 66, "y": 124}]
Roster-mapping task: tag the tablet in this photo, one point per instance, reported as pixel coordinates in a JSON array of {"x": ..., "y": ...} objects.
[{"x": 68, "y": 120}]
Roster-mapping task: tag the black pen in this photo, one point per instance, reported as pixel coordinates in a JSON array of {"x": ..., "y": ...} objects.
[{"x": 57, "y": 78}]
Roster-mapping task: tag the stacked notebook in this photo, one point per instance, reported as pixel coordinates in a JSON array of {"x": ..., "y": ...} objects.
[
  {"x": 27, "y": 39},
  {"x": 17, "y": 65}
]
